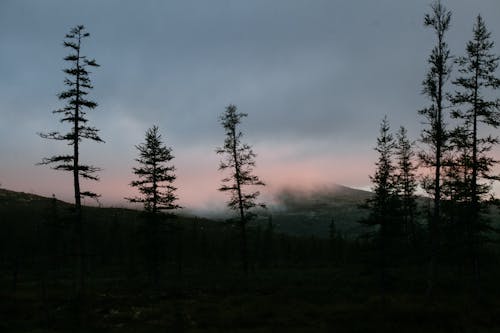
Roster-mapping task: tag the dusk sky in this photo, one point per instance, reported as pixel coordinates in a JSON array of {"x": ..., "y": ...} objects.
[{"x": 315, "y": 77}]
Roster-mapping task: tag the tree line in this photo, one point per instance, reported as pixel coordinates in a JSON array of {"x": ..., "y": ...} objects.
[{"x": 455, "y": 156}]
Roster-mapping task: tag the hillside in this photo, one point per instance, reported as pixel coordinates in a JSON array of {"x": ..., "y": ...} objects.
[
  {"x": 9, "y": 198},
  {"x": 295, "y": 211},
  {"x": 28, "y": 207},
  {"x": 311, "y": 212}
]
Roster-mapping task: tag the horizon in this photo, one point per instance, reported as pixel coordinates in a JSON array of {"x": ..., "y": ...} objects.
[{"x": 220, "y": 210}]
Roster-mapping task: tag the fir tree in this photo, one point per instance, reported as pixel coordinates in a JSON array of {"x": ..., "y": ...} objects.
[
  {"x": 156, "y": 177},
  {"x": 384, "y": 204},
  {"x": 157, "y": 194},
  {"x": 406, "y": 183},
  {"x": 384, "y": 184},
  {"x": 239, "y": 159}
]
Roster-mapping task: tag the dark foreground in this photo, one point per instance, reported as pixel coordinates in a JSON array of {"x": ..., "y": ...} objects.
[
  {"x": 299, "y": 283},
  {"x": 277, "y": 300}
]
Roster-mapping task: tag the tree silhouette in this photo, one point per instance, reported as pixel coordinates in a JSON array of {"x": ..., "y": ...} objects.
[
  {"x": 384, "y": 179},
  {"x": 156, "y": 178},
  {"x": 435, "y": 136},
  {"x": 474, "y": 109},
  {"x": 406, "y": 183},
  {"x": 384, "y": 203},
  {"x": 155, "y": 184},
  {"x": 240, "y": 161},
  {"x": 74, "y": 112}
]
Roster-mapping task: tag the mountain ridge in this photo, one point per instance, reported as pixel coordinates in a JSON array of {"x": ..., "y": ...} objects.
[{"x": 295, "y": 211}]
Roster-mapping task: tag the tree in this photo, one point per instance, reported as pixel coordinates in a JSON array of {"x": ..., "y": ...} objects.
[
  {"x": 384, "y": 179},
  {"x": 406, "y": 183},
  {"x": 75, "y": 113},
  {"x": 155, "y": 184},
  {"x": 240, "y": 161},
  {"x": 435, "y": 136},
  {"x": 456, "y": 191},
  {"x": 474, "y": 109},
  {"x": 156, "y": 178},
  {"x": 383, "y": 205}
]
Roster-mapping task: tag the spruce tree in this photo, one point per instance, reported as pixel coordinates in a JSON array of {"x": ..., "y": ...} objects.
[
  {"x": 156, "y": 177},
  {"x": 75, "y": 113},
  {"x": 157, "y": 194},
  {"x": 384, "y": 179},
  {"x": 383, "y": 205},
  {"x": 406, "y": 182},
  {"x": 239, "y": 160},
  {"x": 435, "y": 135},
  {"x": 476, "y": 111}
]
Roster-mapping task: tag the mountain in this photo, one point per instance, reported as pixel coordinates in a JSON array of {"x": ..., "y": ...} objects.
[
  {"x": 301, "y": 212},
  {"x": 26, "y": 206},
  {"x": 294, "y": 211}
]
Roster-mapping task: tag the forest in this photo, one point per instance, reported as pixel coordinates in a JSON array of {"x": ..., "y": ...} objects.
[{"x": 419, "y": 252}]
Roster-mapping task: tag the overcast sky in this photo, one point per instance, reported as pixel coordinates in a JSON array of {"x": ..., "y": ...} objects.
[{"x": 315, "y": 77}]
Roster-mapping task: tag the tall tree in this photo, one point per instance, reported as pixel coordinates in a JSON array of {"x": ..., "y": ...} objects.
[
  {"x": 155, "y": 184},
  {"x": 239, "y": 159},
  {"x": 75, "y": 113},
  {"x": 406, "y": 183},
  {"x": 435, "y": 135},
  {"x": 474, "y": 109}
]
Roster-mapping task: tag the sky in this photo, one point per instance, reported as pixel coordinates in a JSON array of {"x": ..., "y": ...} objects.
[{"x": 315, "y": 77}]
